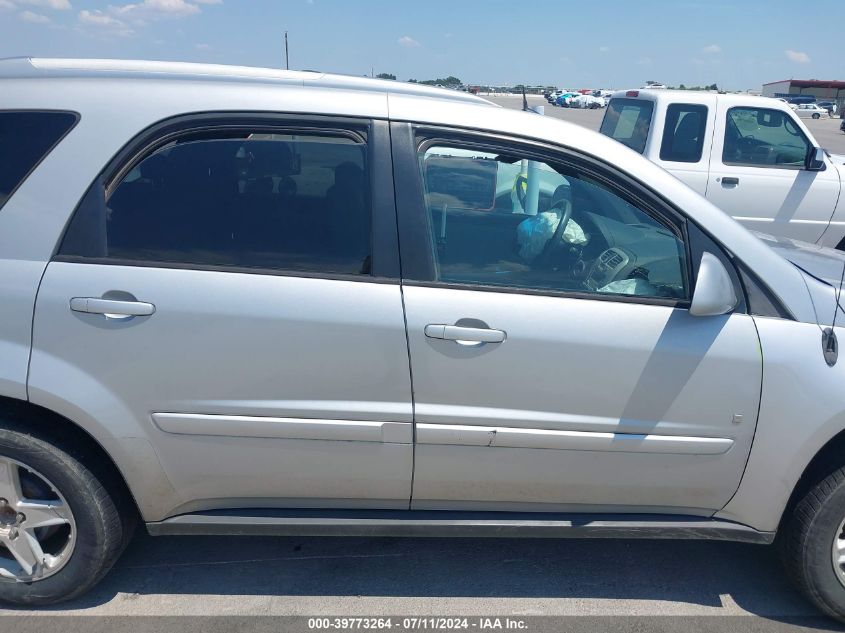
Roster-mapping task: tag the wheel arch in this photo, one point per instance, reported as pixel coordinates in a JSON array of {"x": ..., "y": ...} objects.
[
  {"x": 827, "y": 459},
  {"x": 127, "y": 467}
]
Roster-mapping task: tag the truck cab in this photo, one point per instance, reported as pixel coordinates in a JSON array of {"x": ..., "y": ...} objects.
[{"x": 750, "y": 156}]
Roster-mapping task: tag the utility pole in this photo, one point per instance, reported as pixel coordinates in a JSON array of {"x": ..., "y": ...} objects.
[{"x": 287, "y": 59}]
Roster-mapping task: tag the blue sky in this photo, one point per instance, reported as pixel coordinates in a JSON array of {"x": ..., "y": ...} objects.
[{"x": 589, "y": 43}]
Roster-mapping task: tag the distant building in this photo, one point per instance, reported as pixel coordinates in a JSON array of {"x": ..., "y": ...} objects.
[{"x": 821, "y": 90}]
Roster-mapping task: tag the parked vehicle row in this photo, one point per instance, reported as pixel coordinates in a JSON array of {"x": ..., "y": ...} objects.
[
  {"x": 269, "y": 302},
  {"x": 565, "y": 99}
]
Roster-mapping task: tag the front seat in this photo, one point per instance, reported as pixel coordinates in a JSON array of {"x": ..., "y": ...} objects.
[
  {"x": 685, "y": 142},
  {"x": 348, "y": 218}
]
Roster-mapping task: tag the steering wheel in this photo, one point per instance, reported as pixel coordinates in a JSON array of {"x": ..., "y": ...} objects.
[{"x": 555, "y": 240}]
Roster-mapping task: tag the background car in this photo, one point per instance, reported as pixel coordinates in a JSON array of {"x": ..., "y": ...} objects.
[
  {"x": 565, "y": 99},
  {"x": 810, "y": 111},
  {"x": 830, "y": 106},
  {"x": 552, "y": 96},
  {"x": 801, "y": 99},
  {"x": 587, "y": 101}
]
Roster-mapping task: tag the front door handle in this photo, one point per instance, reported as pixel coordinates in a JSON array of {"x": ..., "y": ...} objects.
[
  {"x": 463, "y": 334},
  {"x": 730, "y": 181},
  {"x": 112, "y": 308}
]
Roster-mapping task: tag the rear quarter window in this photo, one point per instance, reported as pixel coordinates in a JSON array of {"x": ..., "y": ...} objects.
[
  {"x": 628, "y": 121},
  {"x": 25, "y": 140}
]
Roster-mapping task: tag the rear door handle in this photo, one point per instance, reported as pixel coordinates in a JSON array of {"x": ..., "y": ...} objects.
[
  {"x": 112, "y": 308},
  {"x": 462, "y": 334},
  {"x": 730, "y": 181}
]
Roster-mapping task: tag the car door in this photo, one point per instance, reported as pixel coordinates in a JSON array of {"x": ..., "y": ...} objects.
[
  {"x": 685, "y": 142},
  {"x": 561, "y": 369},
  {"x": 229, "y": 291},
  {"x": 757, "y": 174}
]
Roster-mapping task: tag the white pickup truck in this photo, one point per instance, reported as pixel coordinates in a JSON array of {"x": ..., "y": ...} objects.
[{"x": 750, "y": 156}]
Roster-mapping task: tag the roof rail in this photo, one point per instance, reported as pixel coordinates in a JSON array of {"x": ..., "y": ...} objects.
[{"x": 37, "y": 67}]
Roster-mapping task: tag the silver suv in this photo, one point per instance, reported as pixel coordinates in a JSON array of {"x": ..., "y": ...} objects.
[{"x": 240, "y": 301}]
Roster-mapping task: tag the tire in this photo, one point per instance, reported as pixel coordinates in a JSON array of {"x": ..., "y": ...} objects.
[
  {"x": 102, "y": 529},
  {"x": 816, "y": 115},
  {"x": 808, "y": 544}
]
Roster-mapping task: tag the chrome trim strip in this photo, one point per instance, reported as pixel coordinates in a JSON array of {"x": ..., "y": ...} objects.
[
  {"x": 507, "y": 437},
  {"x": 283, "y": 428}
]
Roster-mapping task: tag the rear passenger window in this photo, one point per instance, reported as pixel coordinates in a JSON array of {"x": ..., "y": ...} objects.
[
  {"x": 298, "y": 202},
  {"x": 683, "y": 136},
  {"x": 25, "y": 139}
]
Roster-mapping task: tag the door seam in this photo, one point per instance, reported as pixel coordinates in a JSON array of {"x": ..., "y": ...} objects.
[
  {"x": 32, "y": 330},
  {"x": 404, "y": 318}
]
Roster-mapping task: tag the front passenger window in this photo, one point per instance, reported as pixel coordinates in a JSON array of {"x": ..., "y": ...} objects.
[
  {"x": 760, "y": 137},
  {"x": 573, "y": 235}
]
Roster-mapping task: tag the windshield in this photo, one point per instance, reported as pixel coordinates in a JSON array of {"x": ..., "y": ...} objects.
[{"x": 628, "y": 121}]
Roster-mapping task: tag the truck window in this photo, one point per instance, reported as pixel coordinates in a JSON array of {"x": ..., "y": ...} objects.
[
  {"x": 628, "y": 121},
  {"x": 25, "y": 139},
  {"x": 760, "y": 137},
  {"x": 683, "y": 135}
]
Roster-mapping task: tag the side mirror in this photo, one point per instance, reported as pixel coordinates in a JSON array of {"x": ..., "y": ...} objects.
[
  {"x": 714, "y": 290},
  {"x": 815, "y": 159}
]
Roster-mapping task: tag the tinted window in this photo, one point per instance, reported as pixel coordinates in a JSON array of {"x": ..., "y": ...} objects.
[
  {"x": 628, "y": 121},
  {"x": 683, "y": 136},
  {"x": 294, "y": 202},
  {"x": 583, "y": 238},
  {"x": 25, "y": 139},
  {"x": 763, "y": 138}
]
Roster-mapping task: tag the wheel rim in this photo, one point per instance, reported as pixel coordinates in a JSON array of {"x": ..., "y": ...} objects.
[{"x": 37, "y": 528}]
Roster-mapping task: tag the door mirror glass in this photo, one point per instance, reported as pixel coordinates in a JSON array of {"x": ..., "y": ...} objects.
[
  {"x": 815, "y": 159},
  {"x": 714, "y": 290}
]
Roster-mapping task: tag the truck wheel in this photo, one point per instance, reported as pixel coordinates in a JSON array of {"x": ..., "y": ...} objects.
[
  {"x": 814, "y": 545},
  {"x": 60, "y": 530}
]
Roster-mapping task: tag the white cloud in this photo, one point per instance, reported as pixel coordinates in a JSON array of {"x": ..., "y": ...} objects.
[
  {"x": 713, "y": 49},
  {"x": 6, "y": 4},
  {"x": 58, "y": 5},
  {"x": 797, "y": 56},
  {"x": 644, "y": 61},
  {"x": 408, "y": 42},
  {"x": 203, "y": 47},
  {"x": 98, "y": 18},
  {"x": 154, "y": 10},
  {"x": 604, "y": 49},
  {"x": 35, "y": 18},
  {"x": 107, "y": 23},
  {"x": 120, "y": 19}
]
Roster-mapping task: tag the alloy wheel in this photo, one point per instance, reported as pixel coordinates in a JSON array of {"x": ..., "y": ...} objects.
[{"x": 37, "y": 528}]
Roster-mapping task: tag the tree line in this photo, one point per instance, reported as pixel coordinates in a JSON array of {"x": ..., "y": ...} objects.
[{"x": 440, "y": 81}]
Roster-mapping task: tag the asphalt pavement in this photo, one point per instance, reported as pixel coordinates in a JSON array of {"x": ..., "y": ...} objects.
[{"x": 178, "y": 576}]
